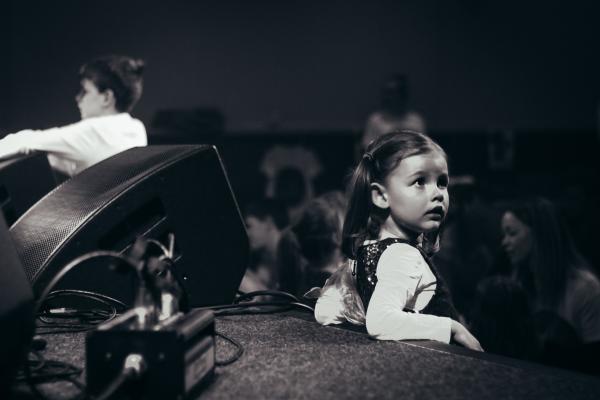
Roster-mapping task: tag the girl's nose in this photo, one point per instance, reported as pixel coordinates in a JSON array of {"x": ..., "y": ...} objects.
[{"x": 438, "y": 194}]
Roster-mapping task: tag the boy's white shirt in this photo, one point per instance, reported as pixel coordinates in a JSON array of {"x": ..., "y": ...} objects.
[
  {"x": 73, "y": 148},
  {"x": 404, "y": 280}
]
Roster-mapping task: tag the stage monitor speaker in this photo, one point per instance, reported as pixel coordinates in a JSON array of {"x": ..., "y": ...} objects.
[
  {"x": 23, "y": 181},
  {"x": 145, "y": 191},
  {"x": 16, "y": 312}
]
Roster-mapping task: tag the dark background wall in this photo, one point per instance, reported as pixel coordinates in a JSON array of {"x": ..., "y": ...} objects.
[
  {"x": 472, "y": 65},
  {"x": 309, "y": 73},
  {"x": 511, "y": 90}
]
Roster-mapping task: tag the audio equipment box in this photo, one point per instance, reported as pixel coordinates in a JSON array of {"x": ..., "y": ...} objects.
[{"x": 170, "y": 359}]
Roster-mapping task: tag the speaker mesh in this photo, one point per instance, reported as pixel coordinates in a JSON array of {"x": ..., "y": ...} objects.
[{"x": 37, "y": 237}]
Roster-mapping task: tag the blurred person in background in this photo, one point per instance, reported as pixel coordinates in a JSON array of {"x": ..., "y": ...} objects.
[
  {"x": 469, "y": 241},
  {"x": 395, "y": 112},
  {"x": 290, "y": 173},
  {"x": 501, "y": 317},
  {"x": 110, "y": 88},
  {"x": 309, "y": 251},
  {"x": 561, "y": 288},
  {"x": 265, "y": 220}
]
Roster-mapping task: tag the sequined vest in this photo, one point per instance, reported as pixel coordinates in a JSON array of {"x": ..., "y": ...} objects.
[{"x": 366, "y": 278}]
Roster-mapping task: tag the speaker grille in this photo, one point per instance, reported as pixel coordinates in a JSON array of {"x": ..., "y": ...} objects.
[{"x": 42, "y": 230}]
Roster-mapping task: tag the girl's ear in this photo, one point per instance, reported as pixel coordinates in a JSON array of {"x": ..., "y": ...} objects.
[{"x": 379, "y": 195}]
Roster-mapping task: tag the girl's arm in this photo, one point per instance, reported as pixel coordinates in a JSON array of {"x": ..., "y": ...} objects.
[
  {"x": 400, "y": 269},
  {"x": 330, "y": 306},
  {"x": 339, "y": 300}
]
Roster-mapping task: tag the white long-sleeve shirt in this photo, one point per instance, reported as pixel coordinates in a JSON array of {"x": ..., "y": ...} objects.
[
  {"x": 73, "y": 148},
  {"x": 404, "y": 281}
]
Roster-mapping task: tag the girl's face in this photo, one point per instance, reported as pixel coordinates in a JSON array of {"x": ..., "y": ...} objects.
[
  {"x": 416, "y": 192},
  {"x": 90, "y": 101},
  {"x": 517, "y": 239}
]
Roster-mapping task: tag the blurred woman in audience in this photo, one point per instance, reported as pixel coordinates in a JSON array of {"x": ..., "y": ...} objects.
[
  {"x": 309, "y": 251},
  {"x": 563, "y": 291},
  {"x": 110, "y": 87}
]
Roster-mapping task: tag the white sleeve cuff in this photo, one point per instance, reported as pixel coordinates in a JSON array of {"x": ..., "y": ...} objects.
[{"x": 329, "y": 308}]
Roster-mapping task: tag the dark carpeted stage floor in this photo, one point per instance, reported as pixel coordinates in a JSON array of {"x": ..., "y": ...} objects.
[{"x": 291, "y": 356}]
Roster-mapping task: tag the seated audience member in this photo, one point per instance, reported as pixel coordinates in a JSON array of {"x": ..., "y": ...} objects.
[
  {"x": 469, "y": 242},
  {"x": 394, "y": 113},
  {"x": 563, "y": 290},
  {"x": 291, "y": 189},
  {"x": 290, "y": 172},
  {"x": 110, "y": 87},
  {"x": 501, "y": 305},
  {"x": 309, "y": 251},
  {"x": 265, "y": 221}
]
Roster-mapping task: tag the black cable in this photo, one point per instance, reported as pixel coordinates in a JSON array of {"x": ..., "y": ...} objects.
[
  {"x": 79, "y": 292},
  {"x": 274, "y": 293},
  {"x": 31, "y": 384},
  {"x": 64, "y": 330},
  {"x": 48, "y": 294},
  {"x": 40, "y": 371},
  {"x": 76, "y": 320},
  {"x": 236, "y": 356},
  {"x": 162, "y": 247},
  {"x": 115, "y": 384},
  {"x": 41, "y": 361},
  {"x": 252, "y": 310},
  {"x": 282, "y": 306},
  {"x": 134, "y": 367},
  {"x": 46, "y": 370},
  {"x": 73, "y": 264}
]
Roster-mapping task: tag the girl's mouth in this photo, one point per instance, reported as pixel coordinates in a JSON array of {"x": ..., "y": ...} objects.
[{"x": 436, "y": 211}]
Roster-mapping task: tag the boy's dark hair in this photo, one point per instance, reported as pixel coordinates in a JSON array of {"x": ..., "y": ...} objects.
[
  {"x": 363, "y": 220},
  {"x": 121, "y": 74},
  {"x": 265, "y": 208}
]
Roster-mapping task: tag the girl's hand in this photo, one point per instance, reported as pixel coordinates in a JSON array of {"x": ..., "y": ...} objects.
[{"x": 461, "y": 335}]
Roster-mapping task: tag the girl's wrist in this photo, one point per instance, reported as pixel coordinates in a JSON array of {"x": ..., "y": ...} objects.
[{"x": 454, "y": 326}]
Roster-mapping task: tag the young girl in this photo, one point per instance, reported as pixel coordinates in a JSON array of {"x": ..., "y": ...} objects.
[
  {"x": 398, "y": 200},
  {"x": 110, "y": 87}
]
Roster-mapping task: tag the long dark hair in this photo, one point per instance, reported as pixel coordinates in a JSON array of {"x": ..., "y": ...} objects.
[
  {"x": 553, "y": 256},
  {"x": 363, "y": 219},
  {"x": 121, "y": 74}
]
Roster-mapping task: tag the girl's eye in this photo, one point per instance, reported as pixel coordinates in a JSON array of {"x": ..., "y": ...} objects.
[
  {"x": 420, "y": 181},
  {"x": 443, "y": 182}
]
